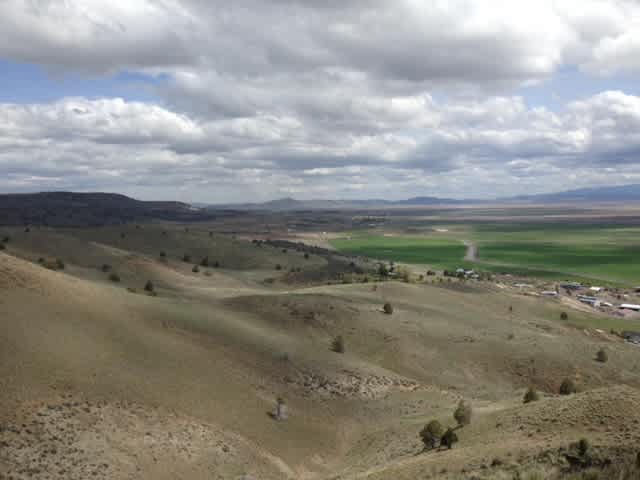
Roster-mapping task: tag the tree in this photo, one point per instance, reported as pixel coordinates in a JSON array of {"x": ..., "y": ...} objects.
[
  {"x": 388, "y": 308},
  {"x": 306, "y": 256},
  {"x": 567, "y": 387},
  {"x": 149, "y": 286},
  {"x": 382, "y": 270},
  {"x": 602, "y": 356},
  {"x": 106, "y": 268},
  {"x": 195, "y": 269},
  {"x": 431, "y": 434},
  {"x": 564, "y": 316},
  {"x": 338, "y": 344},
  {"x": 59, "y": 264},
  {"x": 186, "y": 258},
  {"x": 204, "y": 262},
  {"x": 531, "y": 395},
  {"x": 2, "y": 247},
  {"x": 463, "y": 413},
  {"x": 114, "y": 277},
  {"x": 278, "y": 266},
  {"x": 449, "y": 438},
  {"x": 163, "y": 254}
]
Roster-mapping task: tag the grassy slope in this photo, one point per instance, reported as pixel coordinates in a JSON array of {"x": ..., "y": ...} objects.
[{"x": 216, "y": 352}]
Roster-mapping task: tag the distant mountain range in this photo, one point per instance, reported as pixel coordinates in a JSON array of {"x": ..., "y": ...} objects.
[{"x": 611, "y": 194}]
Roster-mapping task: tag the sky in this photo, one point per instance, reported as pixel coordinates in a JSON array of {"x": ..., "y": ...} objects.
[{"x": 246, "y": 101}]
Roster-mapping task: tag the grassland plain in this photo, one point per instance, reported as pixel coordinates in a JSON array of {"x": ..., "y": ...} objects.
[{"x": 603, "y": 253}]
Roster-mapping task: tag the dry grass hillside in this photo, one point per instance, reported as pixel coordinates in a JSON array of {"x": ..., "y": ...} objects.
[{"x": 101, "y": 379}]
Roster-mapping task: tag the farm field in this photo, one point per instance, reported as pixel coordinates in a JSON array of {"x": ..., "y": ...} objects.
[{"x": 604, "y": 253}]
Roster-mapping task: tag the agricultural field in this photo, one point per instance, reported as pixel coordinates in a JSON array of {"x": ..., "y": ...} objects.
[{"x": 604, "y": 253}]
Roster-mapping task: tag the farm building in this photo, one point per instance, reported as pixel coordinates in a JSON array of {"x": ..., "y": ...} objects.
[
  {"x": 631, "y": 337},
  {"x": 630, "y": 306},
  {"x": 593, "y": 301},
  {"x": 549, "y": 293},
  {"x": 571, "y": 285}
]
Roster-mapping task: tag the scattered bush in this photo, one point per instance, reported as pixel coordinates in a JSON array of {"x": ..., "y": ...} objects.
[
  {"x": 284, "y": 250},
  {"x": 105, "y": 268},
  {"x": 27, "y": 230},
  {"x": 564, "y": 316},
  {"x": 186, "y": 258},
  {"x": 388, "y": 308},
  {"x": 195, "y": 269},
  {"x": 338, "y": 344},
  {"x": 2, "y": 247},
  {"x": 148, "y": 287},
  {"x": 463, "y": 413},
  {"x": 114, "y": 277},
  {"x": 449, "y": 438},
  {"x": 216, "y": 264},
  {"x": 59, "y": 264},
  {"x": 431, "y": 434},
  {"x": 531, "y": 395},
  {"x": 278, "y": 266},
  {"x": 163, "y": 255},
  {"x": 204, "y": 262},
  {"x": 122, "y": 235},
  {"x": 306, "y": 256},
  {"x": 6, "y": 239},
  {"x": 383, "y": 271},
  {"x": 602, "y": 356},
  {"x": 567, "y": 387}
]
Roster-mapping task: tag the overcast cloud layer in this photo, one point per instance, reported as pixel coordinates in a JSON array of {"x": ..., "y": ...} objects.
[{"x": 324, "y": 99}]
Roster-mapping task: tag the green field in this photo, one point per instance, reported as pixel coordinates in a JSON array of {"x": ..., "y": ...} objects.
[
  {"x": 605, "y": 253},
  {"x": 408, "y": 249}
]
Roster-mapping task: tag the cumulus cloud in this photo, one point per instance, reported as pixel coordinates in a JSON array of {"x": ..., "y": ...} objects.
[{"x": 328, "y": 98}]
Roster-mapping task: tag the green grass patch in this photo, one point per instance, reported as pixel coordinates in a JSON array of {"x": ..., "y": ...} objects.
[{"x": 437, "y": 252}]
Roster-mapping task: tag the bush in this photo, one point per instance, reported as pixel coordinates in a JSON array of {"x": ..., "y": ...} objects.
[
  {"x": 531, "y": 395},
  {"x": 186, "y": 258},
  {"x": 383, "y": 271},
  {"x": 149, "y": 286},
  {"x": 163, "y": 255},
  {"x": 463, "y": 413},
  {"x": 204, "y": 262},
  {"x": 306, "y": 256},
  {"x": 195, "y": 269},
  {"x": 564, "y": 316},
  {"x": 216, "y": 264},
  {"x": 278, "y": 266},
  {"x": 567, "y": 387},
  {"x": 388, "y": 308},
  {"x": 431, "y": 434},
  {"x": 6, "y": 239},
  {"x": 105, "y": 268},
  {"x": 2, "y": 247},
  {"x": 449, "y": 438},
  {"x": 114, "y": 277},
  {"x": 338, "y": 344},
  {"x": 59, "y": 264},
  {"x": 602, "y": 356}
]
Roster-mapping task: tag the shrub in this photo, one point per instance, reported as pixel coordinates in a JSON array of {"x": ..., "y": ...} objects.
[
  {"x": 114, "y": 277},
  {"x": 383, "y": 271},
  {"x": 41, "y": 260},
  {"x": 216, "y": 264},
  {"x": 449, "y": 438},
  {"x": 531, "y": 395},
  {"x": 583, "y": 447},
  {"x": 602, "y": 356},
  {"x": 431, "y": 434},
  {"x": 6, "y": 239},
  {"x": 284, "y": 250},
  {"x": 388, "y": 308},
  {"x": 122, "y": 235},
  {"x": 2, "y": 247},
  {"x": 204, "y": 262},
  {"x": 163, "y": 254},
  {"x": 59, "y": 264},
  {"x": 338, "y": 344},
  {"x": 463, "y": 413},
  {"x": 148, "y": 287},
  {"x": 186, "y": 258},
  {"x": 567, "y": 387},
  {"x": 105, "y": 268},
  {"x": 564, "y": 316},
  {"x": 278, "y": 266},
  {"x": 195, "y": 269}
]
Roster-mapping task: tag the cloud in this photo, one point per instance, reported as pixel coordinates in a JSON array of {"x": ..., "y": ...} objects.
[{"x": 329, "y": 98}]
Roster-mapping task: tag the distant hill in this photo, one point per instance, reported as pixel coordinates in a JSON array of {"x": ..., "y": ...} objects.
[
  {"x": 624, "y": 193},
  {"x": 83, "y": 209},
  {"x": 621, "y": 193}
]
